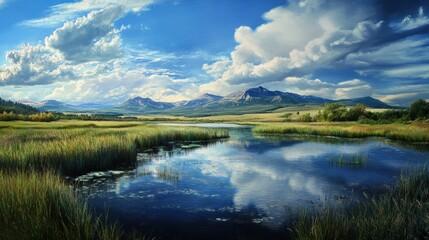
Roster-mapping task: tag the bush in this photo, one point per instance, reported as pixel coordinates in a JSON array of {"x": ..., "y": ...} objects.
[
  {"x": 305, "y": 118},
  {"x": 419, "y": 110}
]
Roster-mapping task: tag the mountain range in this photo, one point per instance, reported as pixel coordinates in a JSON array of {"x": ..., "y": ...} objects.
[{"x": 253, "y": 100}]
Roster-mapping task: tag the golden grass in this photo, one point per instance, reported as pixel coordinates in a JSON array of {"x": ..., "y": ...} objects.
[{"x": 404, "y": 132}]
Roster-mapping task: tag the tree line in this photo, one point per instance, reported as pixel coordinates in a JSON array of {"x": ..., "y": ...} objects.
[{"x": 335, "y": 112}]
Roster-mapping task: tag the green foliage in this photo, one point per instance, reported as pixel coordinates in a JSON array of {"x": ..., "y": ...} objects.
[
  {"x": 401, "y": 213},
  {"x": 333, "y": 112},
  {"x": 419, "y": 110},
  {"x": 17, "y": 108},
  {"x": 38, "y": 117},
  {"x": 305, "y": 118}
]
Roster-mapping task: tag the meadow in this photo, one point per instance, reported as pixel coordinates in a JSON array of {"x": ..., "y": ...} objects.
[
  {"x": 35, "y": 201},
  {"x": 414, "y": 132}
]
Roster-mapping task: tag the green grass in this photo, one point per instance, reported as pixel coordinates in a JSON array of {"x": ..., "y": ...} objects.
[
  {"x": 36, "y": 204},
  {"x": 167, "y": 173},
  {"x": 40, "y": 206},
  {"x": 402, "y": 132},
  {"x": 355, "y": 160},
  {"x": 73, "y": 150},
  {"x": 401, "y": 213}
]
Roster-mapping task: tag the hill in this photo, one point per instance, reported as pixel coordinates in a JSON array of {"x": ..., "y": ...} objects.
[{"x": 18, "y": 108}]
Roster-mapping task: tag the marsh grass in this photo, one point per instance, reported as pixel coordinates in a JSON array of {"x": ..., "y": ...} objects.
[
  {"x": 402, "y": 132},
  {"x": 39, "y": 206},
  {"x": 167, "y": 173},
  {"x": 76, "y": 151},
  {"x": 36, "y": 204},
  {"x": 353, "y": 160},
  {"x": 401, "y": 213}
]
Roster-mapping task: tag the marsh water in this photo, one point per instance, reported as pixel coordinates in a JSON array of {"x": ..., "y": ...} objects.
[{"x": 244, "y": 187}]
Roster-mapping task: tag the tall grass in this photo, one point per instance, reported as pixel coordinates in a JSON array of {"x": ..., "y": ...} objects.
[
  {"x": 75, "y": 151},
  {"x": 353, "y": 160},
  {"x": 36, "y": 206},
  {"x": 402, "y": 213},
  {"x": 408, "y": 133}
]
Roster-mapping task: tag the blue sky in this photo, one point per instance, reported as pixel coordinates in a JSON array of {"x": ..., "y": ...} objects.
[{"x": 170, "y": 50}]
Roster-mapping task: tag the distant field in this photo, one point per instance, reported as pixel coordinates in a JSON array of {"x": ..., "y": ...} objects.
[{"x": 279, "y": 115}]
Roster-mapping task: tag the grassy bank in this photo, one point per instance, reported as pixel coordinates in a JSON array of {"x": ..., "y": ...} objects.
[
  {"x": 36, "y": 204},
  {"x": 402, "y": 132},
  {"x": 77, "y": 149},
  {"x": 402, "y": 213}
]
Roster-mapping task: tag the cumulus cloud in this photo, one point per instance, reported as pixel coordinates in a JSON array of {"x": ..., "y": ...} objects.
[
  {"x": 81, "y": 48},
  {"x": 89, "y": 38},
  {"x": 33, "y": 65},
  {"x": 121, "y": 84},
  {"x": 310, "y": 35},
  {"x": 60, "y": 13}
]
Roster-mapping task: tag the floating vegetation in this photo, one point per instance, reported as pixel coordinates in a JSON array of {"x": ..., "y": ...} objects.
[
  {"x": 190, "y": 146},
  {"x": 350, "y": 160}
]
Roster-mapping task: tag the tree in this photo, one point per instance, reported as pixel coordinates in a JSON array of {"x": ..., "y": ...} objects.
[
  {"x": 333, "y": 112},
  {"x": 356, "y": 112},
  {"x": 419, "y": 110}
]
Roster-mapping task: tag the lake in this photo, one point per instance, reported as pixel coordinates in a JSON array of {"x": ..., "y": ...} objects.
[{"x": 244, "y": 187}]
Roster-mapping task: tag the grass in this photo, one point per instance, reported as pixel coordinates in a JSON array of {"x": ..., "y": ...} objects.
[
  {"x": 167, "y": 173},
  {"x": 402, "y": 132},
  {"x": 355, "y": 160},
  {"x": 401, "y": 213},
  {"x": 40, "y": 206},
  {"x": 77, "y": 150},
  {"x": 36, "y": 204}
]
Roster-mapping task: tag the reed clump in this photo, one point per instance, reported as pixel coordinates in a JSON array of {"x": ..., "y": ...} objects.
[
  {"x": 75, "y": 151},
  {"x": 402, "y": 132},
  {"x": 40, "y": 206},
  {"x": 401, "y": 213}
]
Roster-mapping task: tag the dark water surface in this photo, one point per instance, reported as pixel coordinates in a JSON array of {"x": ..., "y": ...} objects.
[{"x": 245, "y": 187}]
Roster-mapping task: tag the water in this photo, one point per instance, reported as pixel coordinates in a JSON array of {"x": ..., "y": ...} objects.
[{"x": 246, "y": 187}]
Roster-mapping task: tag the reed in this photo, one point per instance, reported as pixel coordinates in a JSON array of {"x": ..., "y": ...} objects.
[
  {"x": 75, "y": 151},
  {"x": 401, "y": 213},
  {"x": 167, "y": 173},
  {"x": 402, "y": 132},
  {"x": 40, "y": 206},
  {"x": 351, "y": 160}
]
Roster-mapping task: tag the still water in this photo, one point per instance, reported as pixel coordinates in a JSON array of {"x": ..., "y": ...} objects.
[{"x": 244, "y": 187}]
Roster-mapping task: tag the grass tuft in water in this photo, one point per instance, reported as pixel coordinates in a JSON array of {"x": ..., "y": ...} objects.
[
  {"x": 353, "y": 160},
  {"x": 167, "y": 173}
]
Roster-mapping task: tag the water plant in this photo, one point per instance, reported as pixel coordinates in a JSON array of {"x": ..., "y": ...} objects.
[
  {"x": 167, "y": 173},
  {"x": 400, "y": 213},
  {"x": 350, "y": 160}
]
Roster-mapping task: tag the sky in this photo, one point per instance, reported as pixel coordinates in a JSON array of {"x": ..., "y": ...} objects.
[{"x": 107, "y": 51}]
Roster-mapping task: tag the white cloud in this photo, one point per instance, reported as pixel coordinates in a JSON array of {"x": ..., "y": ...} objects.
[
  {"x": 34, "y": 65},
  {"x": 89, "y": 38},
  {"x": 84, "y": 48},
  {"x": 411, "y": 23},
  {"x": 309, "y": 35},
  {"x": 61, "y": 13}
]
